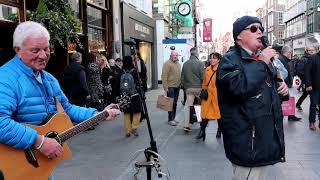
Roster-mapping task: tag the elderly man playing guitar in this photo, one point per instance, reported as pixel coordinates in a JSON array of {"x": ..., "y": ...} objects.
[{"x": 29, "y": 95}]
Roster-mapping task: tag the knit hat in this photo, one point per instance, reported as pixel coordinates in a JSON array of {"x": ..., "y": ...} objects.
[{"x": 242, "y": 23}]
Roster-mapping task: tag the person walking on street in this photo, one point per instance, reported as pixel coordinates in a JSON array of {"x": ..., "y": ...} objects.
[
  {"x": 249, "y": 102},
  {"x": 29, "y": 94},
  {"x": 75, "y": 82},
  {"x": 130, "y": 86},
  {"x": 192, "y": 76},
  {"x": 312, "y": 74},
  {"x": 210, "y": 107},
  {"x": 115, "y": 75},
  {"x": 171, "y": 79},
  {"x": 284, "y": 57},
  {"x": 300, "y": 66},
  {"x": 95, "y": 85}
]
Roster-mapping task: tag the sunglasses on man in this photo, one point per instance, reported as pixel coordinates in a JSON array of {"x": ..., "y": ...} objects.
[{"x": 254, "y": 28}]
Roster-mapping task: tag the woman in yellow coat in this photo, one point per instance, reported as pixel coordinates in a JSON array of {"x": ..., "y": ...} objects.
[{"x": 210, "y": 108}]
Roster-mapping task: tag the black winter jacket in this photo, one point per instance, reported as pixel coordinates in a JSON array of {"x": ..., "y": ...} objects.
[
  {"x": 251, "y": 114},
  {"x": 312, "y": 72},
  {"x": 75, "y": 84},
  {"x": 286, "y": 61}
]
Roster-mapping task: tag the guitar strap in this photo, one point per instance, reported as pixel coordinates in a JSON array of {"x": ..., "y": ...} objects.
[{"x": 58, "y": 105}]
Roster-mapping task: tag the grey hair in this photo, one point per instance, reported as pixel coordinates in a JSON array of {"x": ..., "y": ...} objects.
[
  {"x": 194, "y": 51},
  {"x": 29, "y": 28},
  {"x": 285, "y": 49},
  {"x": 75, "y": 57}
]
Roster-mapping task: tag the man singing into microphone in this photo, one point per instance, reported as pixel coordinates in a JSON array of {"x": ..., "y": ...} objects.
[{"x": 251, "y": 115}]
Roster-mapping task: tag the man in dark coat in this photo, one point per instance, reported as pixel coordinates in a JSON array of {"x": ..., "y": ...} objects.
[
  {"x": 299, "y": 68},
  {"x": 251, "y": 116},
  {"x": 75, "y": 83},
  {"x": 284, "y": 57},
  {"x": 312, "y": 74}
]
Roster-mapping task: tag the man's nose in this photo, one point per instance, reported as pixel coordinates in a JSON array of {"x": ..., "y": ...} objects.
[{"x": 43, "y": 54}]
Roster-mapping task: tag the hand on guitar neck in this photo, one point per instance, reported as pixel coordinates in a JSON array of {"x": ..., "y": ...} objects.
[{"x": 113, "y": 111}]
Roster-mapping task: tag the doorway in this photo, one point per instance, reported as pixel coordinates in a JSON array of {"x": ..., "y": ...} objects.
[{"x": 6, "y": 43}]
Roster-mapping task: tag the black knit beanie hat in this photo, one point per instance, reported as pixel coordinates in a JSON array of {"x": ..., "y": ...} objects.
[{"x": 242, "y": 23}]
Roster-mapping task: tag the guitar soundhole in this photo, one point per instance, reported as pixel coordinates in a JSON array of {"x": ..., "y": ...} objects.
[{"x": 52, "y": 134}]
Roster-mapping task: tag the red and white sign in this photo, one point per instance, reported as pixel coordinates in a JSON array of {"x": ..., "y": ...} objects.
[{"x": 207, "y": 30}]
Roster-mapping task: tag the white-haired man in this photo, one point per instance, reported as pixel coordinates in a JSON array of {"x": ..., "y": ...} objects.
[{"x": 28, "y": 93}]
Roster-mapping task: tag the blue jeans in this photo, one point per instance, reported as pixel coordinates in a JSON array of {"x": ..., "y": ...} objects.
[
  {"x": 314, "y": 102},
  {"x": 173, "y": 92}
]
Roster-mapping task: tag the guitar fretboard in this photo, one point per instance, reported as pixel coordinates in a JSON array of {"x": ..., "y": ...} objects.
[{"x": 82, "y": 126}]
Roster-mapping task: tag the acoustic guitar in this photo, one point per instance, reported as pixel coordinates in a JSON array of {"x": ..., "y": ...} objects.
[{"x": 20, "y": 164}]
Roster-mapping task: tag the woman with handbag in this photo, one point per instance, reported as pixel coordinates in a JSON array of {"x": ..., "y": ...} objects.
[{"x": 209, "y": 97}]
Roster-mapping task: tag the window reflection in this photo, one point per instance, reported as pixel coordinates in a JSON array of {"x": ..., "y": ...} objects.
[
  {"x": 95, "y": 17},
  {"x": 9, "y": 13},
  {"x": 75, "y": 8},
  {"x": 98, "y": 2}
]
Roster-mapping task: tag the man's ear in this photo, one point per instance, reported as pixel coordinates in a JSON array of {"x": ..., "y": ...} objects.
[{"x": 17, "y": 49}]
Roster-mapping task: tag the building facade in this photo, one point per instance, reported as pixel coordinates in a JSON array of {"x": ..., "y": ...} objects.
[
  {"x": 95, "y": 34},
  {"x": 296, "y": 25},
  {"x": 138, "y": 33},
  {"x": 271, "y": 16}
]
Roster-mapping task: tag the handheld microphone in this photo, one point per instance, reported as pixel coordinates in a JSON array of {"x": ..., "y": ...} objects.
[{"x": 265, "y": 41}]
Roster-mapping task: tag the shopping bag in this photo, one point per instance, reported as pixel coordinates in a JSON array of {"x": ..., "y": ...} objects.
[
  {"x": 165, "y": 103},
  {"x": 288, "y": 107},
  {"x": 197, "y": 109}
]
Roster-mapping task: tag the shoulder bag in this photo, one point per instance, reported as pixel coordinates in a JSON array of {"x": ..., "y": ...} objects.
[{"x": 204, "y": 92}]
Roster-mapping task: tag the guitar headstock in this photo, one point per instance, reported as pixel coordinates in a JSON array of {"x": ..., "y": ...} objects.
[{"x": 123, "y": 102}]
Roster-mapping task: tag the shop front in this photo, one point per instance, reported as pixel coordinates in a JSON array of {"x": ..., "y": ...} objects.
[
  {"x": 138, "y": 35},
  {"x": 298, "y": 46}
]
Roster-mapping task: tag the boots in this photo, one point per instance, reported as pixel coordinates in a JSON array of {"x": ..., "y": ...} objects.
[
  {"x": 218, "y": 135},
  {"x": 202, "y": 132}
]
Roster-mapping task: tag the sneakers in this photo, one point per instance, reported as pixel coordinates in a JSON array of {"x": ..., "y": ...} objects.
[
  {"x": 172, "y": 123},
  {"x": 187, "y": 129}
]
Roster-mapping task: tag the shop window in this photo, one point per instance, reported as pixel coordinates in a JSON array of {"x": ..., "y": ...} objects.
[
  {"x": 96, "y": 39},
  {"x": 95, "y": 17},
  {"x": 9, "y": 13}
]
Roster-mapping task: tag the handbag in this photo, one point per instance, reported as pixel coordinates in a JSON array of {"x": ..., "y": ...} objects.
[
  {"x": 204, "y": 92},
  {"x": 165, "y": 103}
]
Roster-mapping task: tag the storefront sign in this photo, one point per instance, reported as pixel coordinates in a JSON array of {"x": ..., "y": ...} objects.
[
  {"x": 185, "y": 36},
  {"x": 141, "y": 28},
  {"x": 299, "y": 43},
  {"x": 207, "y": 30}
]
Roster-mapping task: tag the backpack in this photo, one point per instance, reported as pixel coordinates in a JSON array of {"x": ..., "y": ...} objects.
[{"x": 127, "y": 84}]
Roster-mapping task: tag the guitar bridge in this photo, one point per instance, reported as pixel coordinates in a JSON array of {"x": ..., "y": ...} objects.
[{"x": 31, "y": 157}]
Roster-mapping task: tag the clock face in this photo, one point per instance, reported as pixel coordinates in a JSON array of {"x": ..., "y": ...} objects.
[{"x": 184, "y": 9}]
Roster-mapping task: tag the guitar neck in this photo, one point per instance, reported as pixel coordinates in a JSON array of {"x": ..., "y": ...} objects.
[{"x": 62, "y": 137}]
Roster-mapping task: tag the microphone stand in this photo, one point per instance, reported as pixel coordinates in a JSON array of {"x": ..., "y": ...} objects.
[{"x": 152, "y": 151}]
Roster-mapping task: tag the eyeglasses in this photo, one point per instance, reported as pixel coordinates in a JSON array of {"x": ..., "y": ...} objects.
[{"x": 254, "y": 28}]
